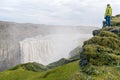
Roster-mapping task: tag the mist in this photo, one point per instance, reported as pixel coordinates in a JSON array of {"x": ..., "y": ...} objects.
[{"x": 50, "y": 48}]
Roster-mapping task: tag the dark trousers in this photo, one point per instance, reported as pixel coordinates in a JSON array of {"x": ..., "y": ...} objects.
[{"x": 108, "y": 20}]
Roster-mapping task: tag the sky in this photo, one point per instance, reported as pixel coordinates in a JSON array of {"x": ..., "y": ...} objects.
[{"x": 57, "y": 12}]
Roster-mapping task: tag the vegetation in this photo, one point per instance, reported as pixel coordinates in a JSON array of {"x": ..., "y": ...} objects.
[
  {"x": 116, "y": 20},
  {"x": 36, "y": 67},
  {"x": 102, "y": 49},
  {"x": 64, "y": 72},
  {"x": 98, "y": 73}
]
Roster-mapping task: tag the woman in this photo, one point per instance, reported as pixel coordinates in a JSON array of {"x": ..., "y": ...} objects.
[{"x": 108, "y": 15}]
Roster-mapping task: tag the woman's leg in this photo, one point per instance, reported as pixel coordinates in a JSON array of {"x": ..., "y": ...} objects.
[{"x": 107, "y": 22}]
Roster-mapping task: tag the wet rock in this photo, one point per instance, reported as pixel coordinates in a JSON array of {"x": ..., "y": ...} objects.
[
  {"x": 95, "y": 32},
  {"x": 115, "y": 30},
  {"x": 83, "y": 62}
]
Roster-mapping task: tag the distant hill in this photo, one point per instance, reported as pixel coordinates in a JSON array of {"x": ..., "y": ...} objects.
[{"x": 36, "y": 67}]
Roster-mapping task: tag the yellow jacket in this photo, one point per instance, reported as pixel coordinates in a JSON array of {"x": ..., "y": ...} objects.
[{"x": 108, "y": 11}]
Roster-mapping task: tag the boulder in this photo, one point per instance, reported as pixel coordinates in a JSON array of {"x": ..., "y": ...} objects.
[{"x": 95, "y": 32}]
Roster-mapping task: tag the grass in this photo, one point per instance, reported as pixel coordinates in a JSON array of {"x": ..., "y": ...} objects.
[
  {"x": 31, "y": 66},
  {"x": 59, "y": 73},
  {"x": 70, "y": 71}
]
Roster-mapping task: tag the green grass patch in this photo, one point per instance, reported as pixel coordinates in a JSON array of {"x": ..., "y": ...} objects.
[{"x": 59, "y": 73}]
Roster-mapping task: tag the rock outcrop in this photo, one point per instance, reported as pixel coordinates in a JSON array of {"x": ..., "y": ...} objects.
[{"x": 102, "y": 49}]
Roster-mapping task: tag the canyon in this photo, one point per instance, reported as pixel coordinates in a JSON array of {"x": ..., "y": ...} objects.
[{"x": 26, "y": 42}]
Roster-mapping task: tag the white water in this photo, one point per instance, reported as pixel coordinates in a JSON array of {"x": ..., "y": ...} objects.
[{"x": 50, "y": 48}]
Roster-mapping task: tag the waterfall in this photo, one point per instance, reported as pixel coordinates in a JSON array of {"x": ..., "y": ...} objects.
[
  {"x": 50, "y": 48},
  {"x": 36, "y": 50}
]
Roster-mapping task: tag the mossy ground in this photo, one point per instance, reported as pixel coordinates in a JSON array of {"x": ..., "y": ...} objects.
[
  {"x": 103, "y": 55},
  {"x": 103, "y": 49},
  {"x": 98, "y": 73},
  {"x": 115, "y": 20},
  {"x": 107, "y": 73}
]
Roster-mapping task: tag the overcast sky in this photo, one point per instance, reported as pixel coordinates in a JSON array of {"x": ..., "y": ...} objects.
[{"x": 64, "y": 12}]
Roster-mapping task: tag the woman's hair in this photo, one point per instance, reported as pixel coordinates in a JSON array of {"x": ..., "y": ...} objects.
[{"x": 108, "y": 4}]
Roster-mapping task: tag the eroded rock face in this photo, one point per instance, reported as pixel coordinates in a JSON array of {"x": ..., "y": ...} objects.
[{"x": 9, "y": 55}]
